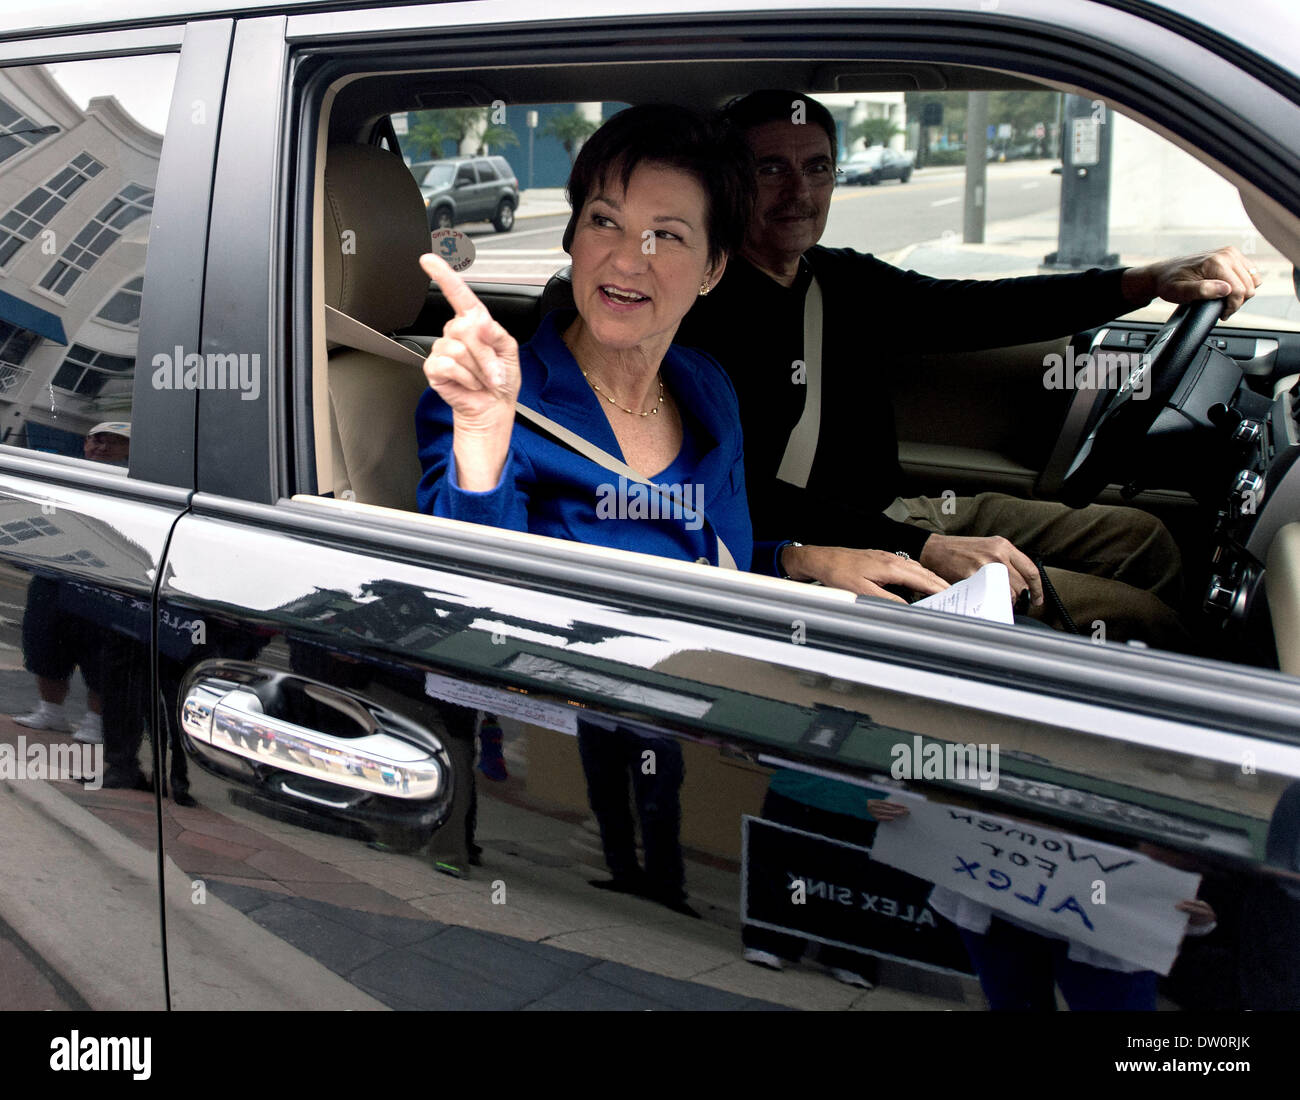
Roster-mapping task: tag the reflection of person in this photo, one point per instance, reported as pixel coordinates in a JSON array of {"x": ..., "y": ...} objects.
[
  {"x": 55, "y": 643},
  {"x": 1020, "y": 966},
  {"x": 830, "y": 808},
  {"x": 1117, "y": 565}
]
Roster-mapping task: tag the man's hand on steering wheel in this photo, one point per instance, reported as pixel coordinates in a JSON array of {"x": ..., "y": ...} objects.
[{"x": 1226, "y": 273}]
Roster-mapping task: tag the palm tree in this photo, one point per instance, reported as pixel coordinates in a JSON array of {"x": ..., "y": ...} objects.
[
  {"x": 570, "y": 130},
  {"x": 873, "y": 131}
]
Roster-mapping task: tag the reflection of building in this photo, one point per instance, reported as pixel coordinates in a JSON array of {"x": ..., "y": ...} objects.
[
  {"x": 851, "y": 108},
  {"x": 74, "y": 220}
]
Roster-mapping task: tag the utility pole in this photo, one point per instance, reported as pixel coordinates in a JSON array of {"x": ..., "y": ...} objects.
[
  {"x": 1084, "y": 233},
  {"x": 977, "y": 121}
]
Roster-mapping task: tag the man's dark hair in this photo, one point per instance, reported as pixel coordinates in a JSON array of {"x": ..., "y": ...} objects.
[
  {"x": 777, "y": 105},
  {"x": 716, "y": 156}
]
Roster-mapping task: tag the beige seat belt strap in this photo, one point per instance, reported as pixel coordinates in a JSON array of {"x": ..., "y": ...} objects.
[
  {"x": 348, "y": 331},
  {"x": 801, "y": 447}
]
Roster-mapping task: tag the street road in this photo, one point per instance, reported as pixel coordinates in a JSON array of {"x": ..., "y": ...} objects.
[{"x": 880, "y": 219}]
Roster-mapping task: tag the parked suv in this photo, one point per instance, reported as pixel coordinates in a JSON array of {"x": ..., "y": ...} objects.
[{"x": 468, "y": 189}]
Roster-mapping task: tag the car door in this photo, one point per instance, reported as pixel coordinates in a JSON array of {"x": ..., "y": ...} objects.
[
  {"x": 468, "y": 193},
  {"x": 415, "y": 744},
  {"x": 106, "y": 151}
]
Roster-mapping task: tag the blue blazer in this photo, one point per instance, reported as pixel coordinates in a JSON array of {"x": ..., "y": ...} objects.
[{"x": 548, "y": 489}]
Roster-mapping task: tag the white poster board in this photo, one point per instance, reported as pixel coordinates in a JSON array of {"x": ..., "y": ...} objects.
[{"x": 1111, "y": 899}]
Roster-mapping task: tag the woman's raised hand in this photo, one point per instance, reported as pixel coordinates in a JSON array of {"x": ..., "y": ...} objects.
[{"x": 474, "y": 367}]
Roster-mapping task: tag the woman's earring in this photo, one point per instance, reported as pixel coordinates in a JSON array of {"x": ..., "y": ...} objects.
[{"x": 704, "y": 289}]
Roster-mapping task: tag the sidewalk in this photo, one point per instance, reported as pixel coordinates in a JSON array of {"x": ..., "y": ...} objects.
[
  {"x": 541, "y": 202},
  {"x": 1018, "y": 247},
  {"x": 295, "y": 918}
]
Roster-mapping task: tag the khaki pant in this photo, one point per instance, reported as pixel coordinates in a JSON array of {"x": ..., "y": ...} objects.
[{"x": 1117, "y": 570}]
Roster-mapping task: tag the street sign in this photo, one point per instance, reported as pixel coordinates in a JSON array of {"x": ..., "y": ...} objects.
[
  {"x": 1085, "y": 145},
  {"x": 1004, "y": 130}
]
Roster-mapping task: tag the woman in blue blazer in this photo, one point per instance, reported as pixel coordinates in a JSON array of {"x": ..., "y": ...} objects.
[{"x": 660, "y": 198}]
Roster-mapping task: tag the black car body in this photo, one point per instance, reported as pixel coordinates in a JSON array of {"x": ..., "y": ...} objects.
[
  {"x": 871, "y": 166},
  {"x": 279, "y": 637}
]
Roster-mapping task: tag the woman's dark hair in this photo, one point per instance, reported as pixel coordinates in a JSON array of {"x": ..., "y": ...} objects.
[
  {"x": 715, "y": 155},
  {"x": 777, "y": 105}
]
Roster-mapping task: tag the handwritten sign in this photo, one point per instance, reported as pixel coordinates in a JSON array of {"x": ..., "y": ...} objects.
[{"x": 1111, "y": 899}]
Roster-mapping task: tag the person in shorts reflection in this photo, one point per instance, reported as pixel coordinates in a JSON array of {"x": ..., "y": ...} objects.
[{"x": 55, "y": 643}]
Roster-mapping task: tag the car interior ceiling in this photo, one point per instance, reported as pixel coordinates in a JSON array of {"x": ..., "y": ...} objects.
[{"x": 360, "y": 115}]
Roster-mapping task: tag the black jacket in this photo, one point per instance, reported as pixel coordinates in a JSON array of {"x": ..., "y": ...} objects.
[{"x": 874, "y": 316}]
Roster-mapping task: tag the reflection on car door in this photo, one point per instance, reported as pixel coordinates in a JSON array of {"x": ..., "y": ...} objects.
[{"x": 81, "y": 542}]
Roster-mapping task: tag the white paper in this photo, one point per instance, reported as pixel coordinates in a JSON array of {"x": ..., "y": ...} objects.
[
  {"x": 983, "y": 595},
  {"x": 1111, "y": 899}
]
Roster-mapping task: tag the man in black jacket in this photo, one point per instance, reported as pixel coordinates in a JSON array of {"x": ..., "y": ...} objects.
[{"x": 1120, "y": 565}]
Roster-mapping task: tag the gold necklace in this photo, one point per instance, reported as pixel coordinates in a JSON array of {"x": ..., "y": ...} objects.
[{"x": 630, "y": 412}]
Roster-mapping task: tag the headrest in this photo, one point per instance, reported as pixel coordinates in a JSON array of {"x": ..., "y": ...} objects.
[
  {"x": 558, "y": 291},
  {"x": 376, "y": 230}
]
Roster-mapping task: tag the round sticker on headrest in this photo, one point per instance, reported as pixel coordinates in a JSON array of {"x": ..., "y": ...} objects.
[{"x": 454, "y": 247}]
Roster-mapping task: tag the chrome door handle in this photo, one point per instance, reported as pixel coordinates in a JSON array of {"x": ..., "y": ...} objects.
[{"x": 376, "y": 762}]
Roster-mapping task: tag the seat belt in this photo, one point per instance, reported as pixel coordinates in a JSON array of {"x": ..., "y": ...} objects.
[
  {"x": 801, "y": 447},
  {"x": 348, "y": 331}
]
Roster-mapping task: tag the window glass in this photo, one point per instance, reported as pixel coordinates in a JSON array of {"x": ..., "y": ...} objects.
[
  {"x": 533, "y": 142},
  {"x": 79, "y": 149},
  {"x": 1155, "y": 200}
]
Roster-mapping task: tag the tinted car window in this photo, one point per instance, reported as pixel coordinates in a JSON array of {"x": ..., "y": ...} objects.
[{"x": 486, "y": 173}]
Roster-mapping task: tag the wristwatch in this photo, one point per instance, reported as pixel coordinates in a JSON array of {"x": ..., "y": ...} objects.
[{"x": 780, "y": 569}]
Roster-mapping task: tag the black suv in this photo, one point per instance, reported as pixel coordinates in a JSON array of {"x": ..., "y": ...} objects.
[
  {"x": 468, "y": 189},
  {"x": 339, "y": 749}
]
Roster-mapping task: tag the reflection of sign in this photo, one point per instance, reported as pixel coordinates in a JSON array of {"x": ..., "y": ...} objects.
[
  {"x": 1110, "y": 899},
  {"x": 849, "y": 901},
  {"x": 1085, "y": 146},
  {"x": 507, "y": 704},
  {"x": 1004, "y": 130},
  {"x": 454, "y": 247}
]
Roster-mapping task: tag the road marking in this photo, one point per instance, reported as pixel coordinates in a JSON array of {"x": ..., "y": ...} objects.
[
  {"x": 533, "y": 253},
  {"x": 945, "y": 202},
  {"x": 507, "y": 237}
]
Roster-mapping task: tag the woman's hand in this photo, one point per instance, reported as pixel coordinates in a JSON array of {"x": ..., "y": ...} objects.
[
  {"x": 474, "y": 367},
  {"x": 860, "y": 571}
]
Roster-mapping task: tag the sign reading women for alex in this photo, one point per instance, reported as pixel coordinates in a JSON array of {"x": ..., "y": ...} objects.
[{"x": 1111, "y": 899}]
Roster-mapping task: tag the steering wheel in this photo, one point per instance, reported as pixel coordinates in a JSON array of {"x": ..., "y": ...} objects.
[{"x": 1094, "y": 450}]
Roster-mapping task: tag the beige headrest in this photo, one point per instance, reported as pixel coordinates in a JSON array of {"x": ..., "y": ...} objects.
[{"x": 375, "y": 232}]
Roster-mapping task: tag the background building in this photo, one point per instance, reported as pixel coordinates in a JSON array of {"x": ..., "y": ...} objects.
[{"x": 76, "y": 194}]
